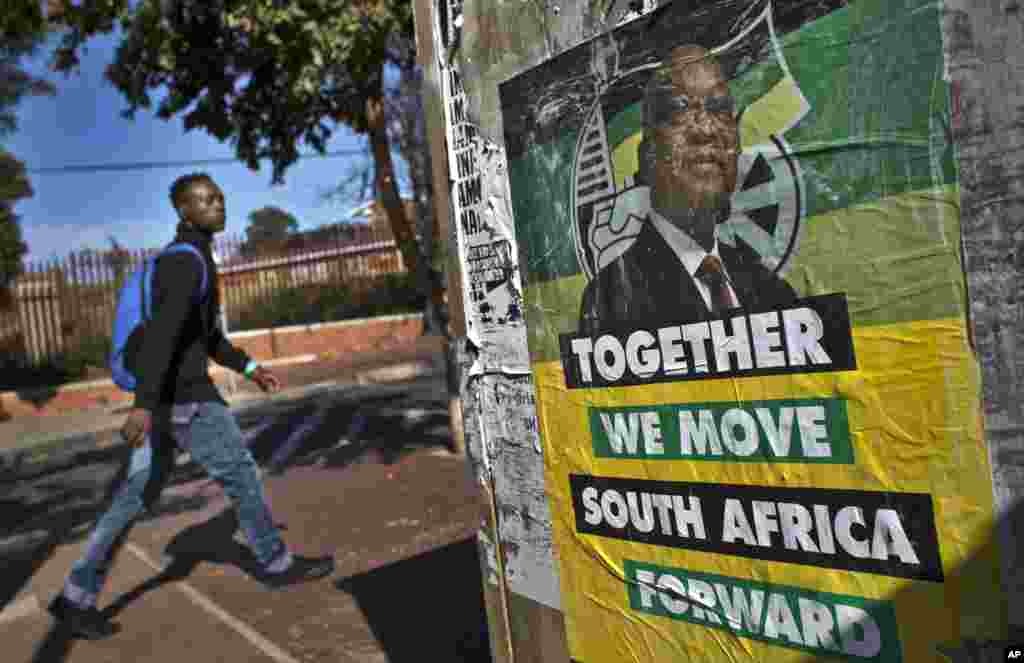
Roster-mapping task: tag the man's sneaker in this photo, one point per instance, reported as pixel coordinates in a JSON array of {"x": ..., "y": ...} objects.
[
  {"x": 86, "y": 623},
  {"x": 302, "y": 569}
]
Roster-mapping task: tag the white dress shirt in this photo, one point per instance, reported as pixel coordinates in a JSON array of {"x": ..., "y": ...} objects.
[{"x": 691, "y": 254}]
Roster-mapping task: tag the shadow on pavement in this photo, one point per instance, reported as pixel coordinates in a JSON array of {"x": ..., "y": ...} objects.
[
  {"x": 337, "y": 434},
  {"x": 58, "y": 518},
  {"x": 22, "y": 563},
  {"x": 427, "y": 608},
  {"x": 37, "y": 396},
  {"x": 55, "y": 515},
  {"x": 55, "y": 647},
  {"x": 60, "y": 508},
  {"x": 210, "y": 541}
]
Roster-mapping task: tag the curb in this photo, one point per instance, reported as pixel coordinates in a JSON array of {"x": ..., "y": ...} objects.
[
  {"x": 52, "y": 453},
  {"x": 106, "y": 384}
]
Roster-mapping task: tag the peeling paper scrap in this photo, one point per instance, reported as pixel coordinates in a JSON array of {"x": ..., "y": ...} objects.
[
  {"x": 485, "y": 238},
  {"x": 510, "y": 424}
]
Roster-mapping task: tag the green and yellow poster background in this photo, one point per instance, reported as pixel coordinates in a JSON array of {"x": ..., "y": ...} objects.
[{"x": 877, "y": 220}]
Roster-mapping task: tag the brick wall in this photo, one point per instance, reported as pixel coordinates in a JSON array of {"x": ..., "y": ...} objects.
[{"x": 334, "y": 338}]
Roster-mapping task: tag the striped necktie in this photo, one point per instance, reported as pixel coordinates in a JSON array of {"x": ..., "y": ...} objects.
[{"x": 713, "y": 275}]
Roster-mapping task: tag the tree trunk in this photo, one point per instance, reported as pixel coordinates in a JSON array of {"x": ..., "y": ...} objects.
[
  {"x": 387, "y": 185},
  {"x": 428, "y": 283}
]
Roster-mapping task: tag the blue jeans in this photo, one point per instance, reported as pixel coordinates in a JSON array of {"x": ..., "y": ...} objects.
[{"x": 211, "y": 435}]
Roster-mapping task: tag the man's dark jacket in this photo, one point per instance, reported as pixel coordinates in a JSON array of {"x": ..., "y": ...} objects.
[
  {"x": 183, "y": 332},
  {"x": 648, "y": 287}
]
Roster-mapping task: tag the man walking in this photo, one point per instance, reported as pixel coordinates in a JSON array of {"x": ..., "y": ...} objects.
[{"x": 176, "y": 403}]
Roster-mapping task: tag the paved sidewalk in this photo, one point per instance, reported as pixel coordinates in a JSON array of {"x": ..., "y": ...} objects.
[
  {"x": 30, "y": 441},
  {"x": 402, "y": 535},
  {"x": 396, "y": 510}
]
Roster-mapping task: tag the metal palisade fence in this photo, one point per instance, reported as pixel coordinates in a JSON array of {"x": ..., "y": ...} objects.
[{"x": 66, "y": 306}]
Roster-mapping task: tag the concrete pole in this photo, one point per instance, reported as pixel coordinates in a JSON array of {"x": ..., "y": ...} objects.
[{"x": 984, "y": 43}]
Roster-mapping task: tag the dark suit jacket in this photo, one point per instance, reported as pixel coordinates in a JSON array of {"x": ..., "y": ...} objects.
[{"x": 648, "y": 287}]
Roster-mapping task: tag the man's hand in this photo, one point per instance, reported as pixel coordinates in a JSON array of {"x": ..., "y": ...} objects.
[
  {"x": 266, "y": 380},
  {"x": 138, "y": 424}
]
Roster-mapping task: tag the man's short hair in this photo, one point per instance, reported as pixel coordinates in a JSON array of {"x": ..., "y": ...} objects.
[{"x": 182, "y": 184}]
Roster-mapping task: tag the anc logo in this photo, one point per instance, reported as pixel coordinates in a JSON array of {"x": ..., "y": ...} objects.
[{"x": 609, "y": 204}]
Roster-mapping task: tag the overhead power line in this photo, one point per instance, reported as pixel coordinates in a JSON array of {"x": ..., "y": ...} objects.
[{"x": 153, "y": 165}]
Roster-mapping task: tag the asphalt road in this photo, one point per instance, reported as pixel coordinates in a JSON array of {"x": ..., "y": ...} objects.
[{"x": 362, "y": 473}]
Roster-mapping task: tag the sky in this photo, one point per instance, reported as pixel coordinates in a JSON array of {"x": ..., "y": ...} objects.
[{"x": 82, "y": 125}]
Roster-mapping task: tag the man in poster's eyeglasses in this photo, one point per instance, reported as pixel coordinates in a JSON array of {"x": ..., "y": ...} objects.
[{"x": 676, "y": 270}]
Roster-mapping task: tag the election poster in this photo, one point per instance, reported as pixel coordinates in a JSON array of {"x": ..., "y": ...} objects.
[{"x": 739, "y": 241}]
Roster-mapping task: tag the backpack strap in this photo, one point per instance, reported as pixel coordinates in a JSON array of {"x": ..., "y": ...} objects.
[
  {"x": 182, "y": 247},
  {"x": 148, "y": 273}
]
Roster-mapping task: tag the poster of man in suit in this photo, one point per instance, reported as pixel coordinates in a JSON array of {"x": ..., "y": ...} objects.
[
  {"x": 676, "y": 269},
  {"x": 735, "y": 223}
]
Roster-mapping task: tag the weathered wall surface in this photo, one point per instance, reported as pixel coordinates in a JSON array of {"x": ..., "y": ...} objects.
[
  {"x": 477, "y": 44},
  {"x": 985, "y": 57}
]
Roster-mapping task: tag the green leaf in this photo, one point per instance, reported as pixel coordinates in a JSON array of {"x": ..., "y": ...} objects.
[{"x": 307, "y": 63}]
